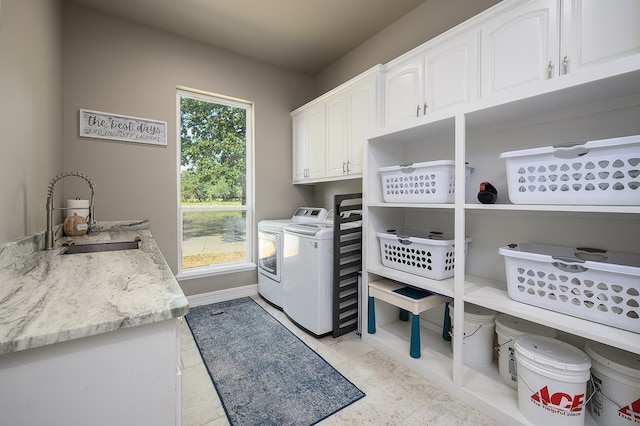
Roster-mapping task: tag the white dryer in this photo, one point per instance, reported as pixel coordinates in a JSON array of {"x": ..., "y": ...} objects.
[
  {"x": 270, "y": 251},
  {"x": 308, "y": 276}
]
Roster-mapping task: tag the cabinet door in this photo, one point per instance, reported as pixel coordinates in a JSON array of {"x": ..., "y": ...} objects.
[
  {"x": 316, "y": 142},
  {"x": 451, "y": 70},
  {"x": 403, "y": 89},
  {"x": 309, "y": 143},
  {"x": 299, "y": 143},
  {"x": 599, "y": 31},
  {"x": 362, "y": 120},
  {"x": 336, "y": 135},
  {"x": 520, "y": 47}
]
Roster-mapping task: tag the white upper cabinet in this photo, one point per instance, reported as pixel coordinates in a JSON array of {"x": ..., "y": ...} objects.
[
  {"x": 543, "y": 39},
  {"x": 451, "y": 72},
  {"x": 351, "y": 115},
  {"x": 440, "y": 75},
  {"x": 329, "y": 132},
  {"x": 520, "y": 46},
  {"x": 336, "y": 134},
  {"x": 403, "y": 88},
  {"x": 595, "y": 32},
  {"x": 309, "y": 143}
]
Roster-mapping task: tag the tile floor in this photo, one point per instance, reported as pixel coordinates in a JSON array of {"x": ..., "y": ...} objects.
[{"x": 394, "y": 394}]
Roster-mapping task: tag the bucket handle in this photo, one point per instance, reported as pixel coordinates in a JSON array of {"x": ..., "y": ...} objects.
[
  {"x": 464, "y": 337},
  {"x": 498, "y": 346},
  {"x": 632, "y": 413},
  {"x": 501, "y": 345},
  {"x": 584, "y": 404},
  {"x": 475, "y": 331}
]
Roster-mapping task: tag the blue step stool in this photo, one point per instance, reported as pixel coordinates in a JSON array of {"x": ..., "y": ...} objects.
[{"x": 408, "y": 299}]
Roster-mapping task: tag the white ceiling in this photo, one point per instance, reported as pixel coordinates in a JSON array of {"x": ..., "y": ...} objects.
[{"x": 301, "y": 35}]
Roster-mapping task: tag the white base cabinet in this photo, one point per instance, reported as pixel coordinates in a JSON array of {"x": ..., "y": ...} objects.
[
  {"x": 600, "y": 102},
  {"x": 126, "y": 377}
]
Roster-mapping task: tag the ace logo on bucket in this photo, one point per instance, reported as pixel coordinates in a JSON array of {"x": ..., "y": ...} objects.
[
  {"x": 631, "y": 412},
  {"x": 559, "y": 402}
]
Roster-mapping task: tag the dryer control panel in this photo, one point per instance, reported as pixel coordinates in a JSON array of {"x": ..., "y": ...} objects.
[{"x": 309, "y": 215}]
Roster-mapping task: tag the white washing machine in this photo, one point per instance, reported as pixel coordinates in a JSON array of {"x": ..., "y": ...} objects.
[
  {"x": 308, "y": 276},
  {"x": 271, "y": 248}
]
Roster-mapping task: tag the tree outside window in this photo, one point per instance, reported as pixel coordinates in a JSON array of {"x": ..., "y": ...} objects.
[{"x": 215, "y": 142}]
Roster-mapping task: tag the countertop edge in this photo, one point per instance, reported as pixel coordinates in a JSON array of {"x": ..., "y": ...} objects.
[{"x": 31, "y": 328}]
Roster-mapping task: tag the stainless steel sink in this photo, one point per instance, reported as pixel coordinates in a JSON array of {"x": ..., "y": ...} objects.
[{"x": 100, "y": 246}]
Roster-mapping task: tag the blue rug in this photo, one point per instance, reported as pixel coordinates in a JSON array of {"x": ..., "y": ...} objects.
[{"x": 263, "y": 373}]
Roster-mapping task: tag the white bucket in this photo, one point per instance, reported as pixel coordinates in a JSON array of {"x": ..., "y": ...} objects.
[
  {"x": 508, "y": 328},
  {"x": 479, "y": 331},
  {"x": 552, "y": 381},
  {"x": 616, "y": 381}
]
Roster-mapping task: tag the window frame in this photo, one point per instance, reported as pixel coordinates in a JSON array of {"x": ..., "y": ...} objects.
[{"x": 248, "y": 208}]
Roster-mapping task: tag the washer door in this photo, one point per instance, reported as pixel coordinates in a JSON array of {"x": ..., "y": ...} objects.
[{"x": 270, "y": 254}]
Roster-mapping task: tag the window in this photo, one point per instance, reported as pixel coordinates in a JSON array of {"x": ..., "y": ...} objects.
[{"x": 215, "y": 183}]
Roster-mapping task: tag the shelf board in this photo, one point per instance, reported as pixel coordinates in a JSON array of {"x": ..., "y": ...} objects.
[
  {"x": 554, "y": 208},
  {"x": 442, "y": 287},
  {"x": 435, "y": 127},
  {"x": 493, "y": 294},
  {"x": 412, "y": 205},
  {"x": 516, "y": 207},
  {"x": 487, "y": 385}
]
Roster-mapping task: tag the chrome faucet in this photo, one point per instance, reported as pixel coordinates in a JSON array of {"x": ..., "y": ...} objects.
[{"x": 49, "y": 237}]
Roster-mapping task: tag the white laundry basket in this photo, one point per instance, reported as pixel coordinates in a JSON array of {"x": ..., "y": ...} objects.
[
  {"x": 429, "y": 254},
  {"x": 588, "y": 283},
  {"x": 601, "y": 172},
  {"x": 429, "y": 182}
]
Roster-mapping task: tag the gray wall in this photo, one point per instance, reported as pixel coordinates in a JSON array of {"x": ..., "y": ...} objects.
[
  {"x": 31, "y": 148},
  {"x": 116, "y": 66}
]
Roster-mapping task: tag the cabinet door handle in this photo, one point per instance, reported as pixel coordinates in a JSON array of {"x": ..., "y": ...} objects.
[
  {"x": 565, "y": 65},
  {"x": 418, "y": 111},
  {"x": 348, "y": 164},
  {"x": 550, "y": 69},
  {"x": 425, "y": 109},
  {"x": 344, "y": 169}
]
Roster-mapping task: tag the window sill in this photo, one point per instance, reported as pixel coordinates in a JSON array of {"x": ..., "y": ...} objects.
[{"x": 209, "y": 271}]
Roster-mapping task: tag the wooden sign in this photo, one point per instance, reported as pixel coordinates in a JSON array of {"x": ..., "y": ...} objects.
[{"x": 103, "y": 125}]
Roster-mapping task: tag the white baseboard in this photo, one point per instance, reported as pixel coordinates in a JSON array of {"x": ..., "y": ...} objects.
[{"x": 222, "y": 295}]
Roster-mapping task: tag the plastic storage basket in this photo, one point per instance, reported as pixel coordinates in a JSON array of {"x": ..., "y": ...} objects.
[
  {"x": 430, "y": 182},
  {"x": 429, "y": 254},
  {"x": 601, "y": 172},
  {"x": 588, "y": 283}
]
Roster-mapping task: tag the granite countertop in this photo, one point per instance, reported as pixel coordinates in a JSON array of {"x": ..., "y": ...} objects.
[{"x": 47, "y": 297}]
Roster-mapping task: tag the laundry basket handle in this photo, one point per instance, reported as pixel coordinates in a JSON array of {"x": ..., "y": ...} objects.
[
  {"x": 570, "y": 150},
  {"x": 407, "y": 168}
]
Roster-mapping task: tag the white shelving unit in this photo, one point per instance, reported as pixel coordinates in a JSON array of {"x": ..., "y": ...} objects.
[{"x": 598, "y": 103}]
